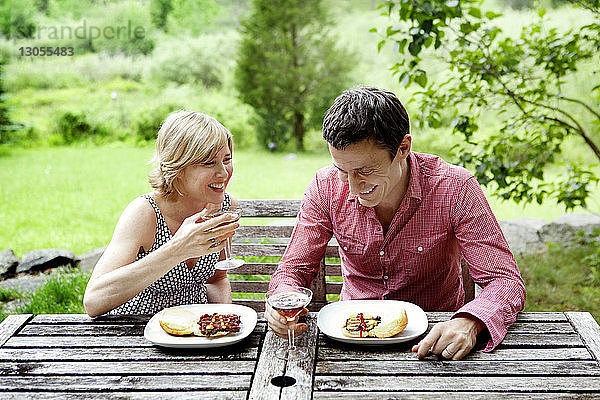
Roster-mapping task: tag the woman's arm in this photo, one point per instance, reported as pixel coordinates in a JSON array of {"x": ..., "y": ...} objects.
[
  {"x": 117, "y": 277},
  {"x": 218, "y": 288}
]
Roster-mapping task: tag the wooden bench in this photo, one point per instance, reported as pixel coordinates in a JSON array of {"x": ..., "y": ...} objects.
[{"x": 271, "y": 240}]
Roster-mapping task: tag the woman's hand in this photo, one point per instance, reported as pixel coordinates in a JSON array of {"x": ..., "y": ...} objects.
[{"x": 198, "y": 236}]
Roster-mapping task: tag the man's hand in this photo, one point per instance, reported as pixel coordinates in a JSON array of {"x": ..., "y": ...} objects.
[
  {"x": 451, "y": 339},
  {"x": 279, "y": 324}
]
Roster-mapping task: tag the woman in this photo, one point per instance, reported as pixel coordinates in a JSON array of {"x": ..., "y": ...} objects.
[{"x": 163, "y": 251}]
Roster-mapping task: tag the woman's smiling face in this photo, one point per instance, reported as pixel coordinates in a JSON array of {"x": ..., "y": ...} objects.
[
  {"x": 374, "y": 177},
  {"x": 206, "y": 182}
]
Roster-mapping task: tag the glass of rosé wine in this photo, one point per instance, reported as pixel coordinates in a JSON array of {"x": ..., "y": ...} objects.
[
  {"x": 289, "y": 302},
  {"x": 228, "y": 263}
]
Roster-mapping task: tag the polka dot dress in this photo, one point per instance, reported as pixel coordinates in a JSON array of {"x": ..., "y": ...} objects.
[{"x": 180, "y": 285}]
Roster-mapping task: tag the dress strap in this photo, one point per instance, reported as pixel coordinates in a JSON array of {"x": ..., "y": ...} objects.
[
  {"x": 154, "y": 206},
  {"x": 226, "y": 202},
  {"x": 162, "y": 230}
]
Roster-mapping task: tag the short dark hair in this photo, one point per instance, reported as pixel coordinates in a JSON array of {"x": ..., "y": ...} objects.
[{"x": 366, "y": 113}]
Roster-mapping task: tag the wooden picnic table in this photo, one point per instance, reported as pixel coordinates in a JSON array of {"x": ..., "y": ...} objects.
[{"x": 544, "y": 355}]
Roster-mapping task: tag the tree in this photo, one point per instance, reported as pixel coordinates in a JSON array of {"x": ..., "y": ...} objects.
[
  {"x": 159, "y": 10},
  {"x": 17, "y": 19},
  {"x": 524, "y": 81},
  {"x": 191, "y": 16},
  {"x": 289, "y": 68}
]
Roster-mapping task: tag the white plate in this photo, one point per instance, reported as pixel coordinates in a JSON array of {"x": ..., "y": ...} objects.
[
  {"x": 154, "y": 333},
  {"x": 333, "y": 316}
]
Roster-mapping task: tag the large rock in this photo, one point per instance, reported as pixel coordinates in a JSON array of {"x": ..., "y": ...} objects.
[
  {"x": 39, "y": 260},
  {"x": 88, "y": 261},
  {"x": 8, "y": 263},
  {"x": 25, "y": 283},
  {"x": 563, "y": 230},
  {"x": 522, "y": 235}
]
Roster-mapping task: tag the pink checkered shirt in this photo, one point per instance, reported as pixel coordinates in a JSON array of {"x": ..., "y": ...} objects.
[{"x": 443, "y": 217}]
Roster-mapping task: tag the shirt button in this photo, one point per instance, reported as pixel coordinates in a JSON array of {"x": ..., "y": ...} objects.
[
  {"x": 385, "y": 277},
  {"x": 346, "y": 248},
  {"x": 420, "y": 248},
  {"x": 381, "y": 253}
]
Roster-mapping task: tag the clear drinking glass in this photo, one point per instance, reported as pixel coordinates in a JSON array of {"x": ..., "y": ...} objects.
[
  {"x": 289, "y": 302},
  {"x": 228, "y": 263}
]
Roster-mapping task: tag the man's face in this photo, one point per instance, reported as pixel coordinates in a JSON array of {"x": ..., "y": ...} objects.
[{"x": 370, "y": 171}]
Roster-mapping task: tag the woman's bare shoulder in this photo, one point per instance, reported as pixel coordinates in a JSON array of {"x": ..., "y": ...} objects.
[{"x": 138, "y": 220}]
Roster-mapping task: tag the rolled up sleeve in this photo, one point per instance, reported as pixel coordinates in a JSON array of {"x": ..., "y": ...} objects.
[
  {"x": 313, "y": 230},
  {"x": 490, "y": 262}
]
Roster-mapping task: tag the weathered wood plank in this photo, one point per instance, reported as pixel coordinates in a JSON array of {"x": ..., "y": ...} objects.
[
  {"x": 514, "y": 354},
  {"x": 445, "y": 396},
  {"x": 128, "y": 368},
  {"x": 459, "y": 383},
  {"x": 439, "y": 316},
  {"x": 267, "y": 367},
  {"x": 535, "y": 327},
  {"x": 463, "y": 367},
  {"x": 94, "y": 329},
  {"x": 258, "y": 250},
  {"x": 546, "y": 340},
  {"x": 270, "y": 250},
  {"x": 588, "y": 329},
  {"x": 541, "y": 316},
  {"x": 128, "y": 354},
  {"x": 170, "y": 395},
  {"x": 81, "y": 329},
  {"x": 302, "y": 370},
  {"x": 84, "y": 341},
  {"x": 85, "y": 319},
  {"x": 256, "y": 304},
  {"x": 269, "y": 207},
  {"x": 256, "y": 269},
  {"x": 333, "y": 287},
  {"x": 541, "y": 327},
  {"x": 12, "y": 324},
  {"x": 333, "y": 270},
  {"x": 519, "y": 339},
  {"x": 249, "y": 286},
  {"x": 82, "y": 383},
  {"x": 264, "y": 231}
]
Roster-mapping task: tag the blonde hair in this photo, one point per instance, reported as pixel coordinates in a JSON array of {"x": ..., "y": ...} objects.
[{"x": 185, "y": 138}]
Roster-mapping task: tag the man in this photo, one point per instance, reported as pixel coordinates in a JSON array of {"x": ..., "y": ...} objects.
[{"x": 403, "y": 221}]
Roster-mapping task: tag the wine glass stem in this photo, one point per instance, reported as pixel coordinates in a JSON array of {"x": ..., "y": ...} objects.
[
  {"x": 228, "y": 249},
  {"x": 291, "y": 339}
]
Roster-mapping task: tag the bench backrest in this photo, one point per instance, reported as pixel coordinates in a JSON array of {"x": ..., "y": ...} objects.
[{"x": 266, "y": 243}]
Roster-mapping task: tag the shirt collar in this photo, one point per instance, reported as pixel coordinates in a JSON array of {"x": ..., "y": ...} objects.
[{"x": 414, "y": 183}]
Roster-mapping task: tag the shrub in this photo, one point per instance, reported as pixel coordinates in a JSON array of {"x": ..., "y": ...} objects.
[
  {"x": 202, "y": 60},
  {"x": 74, "y": 127},
  {"x": 148, "y": 121},
  {"x": 131, "y": 31},
  {"x": 67, "y": 72},
  {"x": 191, "y": 16},
  {"x": 17, "y": 18}
]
